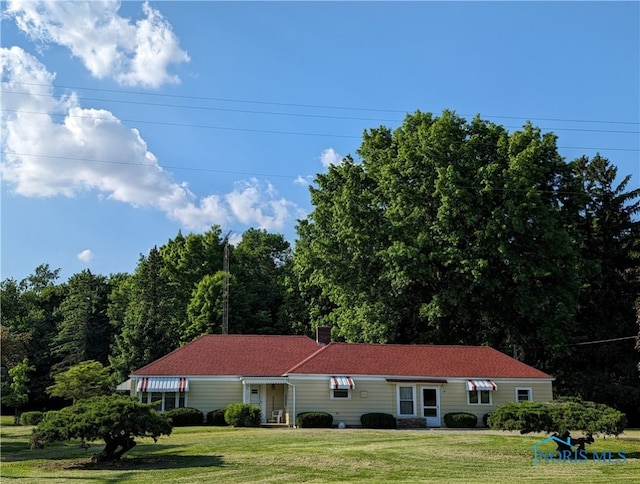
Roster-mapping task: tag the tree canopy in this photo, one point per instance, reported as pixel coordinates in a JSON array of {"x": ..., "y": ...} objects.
[
  {"x": 446, "y": 231},
  {"x": 84, "y": 380}
]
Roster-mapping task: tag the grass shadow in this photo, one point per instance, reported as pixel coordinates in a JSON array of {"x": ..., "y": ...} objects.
[
  {"x": 20, "y": 452},
  {"x": 141, "y": 463}
]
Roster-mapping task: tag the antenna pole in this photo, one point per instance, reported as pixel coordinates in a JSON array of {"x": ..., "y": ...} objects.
[{"x": 225, "y": 286}]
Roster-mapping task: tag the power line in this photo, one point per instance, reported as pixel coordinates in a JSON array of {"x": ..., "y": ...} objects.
[
  {"x": 604, "y": 341},
  {"x": 315, "y": 106},
  {"x": 300, "y": 115},
  {"x": 129, "y": 163},
  {"x": 266, "y": 175},
  {"x": 266, "y": 131}
]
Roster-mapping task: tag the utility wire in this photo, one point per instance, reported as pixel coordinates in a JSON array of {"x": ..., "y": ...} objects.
[
  {"x": 183, "y": 125},
  {"x": 130, "y": 163},
  {"x": 255, "y": 130},
  {"x": 315, "y": 106},
  {"x": 300, "y": 115},
  {"x": 478, "y": 188},
  {"x": 604, "y": 341}
]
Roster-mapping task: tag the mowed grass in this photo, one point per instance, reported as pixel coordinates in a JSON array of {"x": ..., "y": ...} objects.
[{"x": 219, "y": 455}]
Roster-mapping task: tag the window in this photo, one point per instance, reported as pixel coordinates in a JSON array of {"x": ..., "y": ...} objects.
[
  {"x": 164, "y": 401},
  {"x": 406, "y": 401},
  {"x": 524, "y": 394},
  {"x": 340, "y": 394},
  {"x": 479, "y": 397}
]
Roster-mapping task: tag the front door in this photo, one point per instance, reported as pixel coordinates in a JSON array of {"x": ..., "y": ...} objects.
[
  {"x": 431, "y": 406},
  {"x": 256, "y": 398}
]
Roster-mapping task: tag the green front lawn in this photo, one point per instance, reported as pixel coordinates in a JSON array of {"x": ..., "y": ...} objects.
[{"x": 221, "y": 454}]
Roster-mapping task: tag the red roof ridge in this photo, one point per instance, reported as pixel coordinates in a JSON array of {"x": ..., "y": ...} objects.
[
  {"x": 291, "y": 370},
  {"x": 210, "y": 336}
]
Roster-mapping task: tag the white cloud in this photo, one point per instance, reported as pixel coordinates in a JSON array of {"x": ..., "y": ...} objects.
[
  {"x": 134, "y": 54},
  {"x": 301, "y": 180},
  {"x": 252, "y": 202},
  {"x": 86, "y": 255},
  {"x": 91, "y": 150},
  {"x": 330, "y": 157}
]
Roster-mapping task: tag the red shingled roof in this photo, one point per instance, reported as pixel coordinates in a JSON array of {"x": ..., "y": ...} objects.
[
  {"x": 415, "y": 360},
  {"x": 265, "y": 355},
  {"x": 231, "y": 354}
]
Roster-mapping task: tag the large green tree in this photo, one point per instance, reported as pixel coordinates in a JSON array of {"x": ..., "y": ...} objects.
[
  {"x": 257, "y": 266},
  {"x": 445, "y": 231},
  {"x": 29, "y": 309},
  {"x": 15, "y": 390},
  {"x": 603, "y": 363},
  {"x": 84, "y": 332},
  {"x": 147, "y": 330},
  {"x": 84, "y": 380},
  {"x": 204, "y": 312},
  {"x": 186, "y": 261}
]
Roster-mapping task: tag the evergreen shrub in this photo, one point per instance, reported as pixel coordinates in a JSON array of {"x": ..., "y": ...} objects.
[
  {"x": 31, "y": 418},
  {"x": 378, "y": 421},
  {"x": 185, "y": 416},
  {"x": 216, "y": 417},
  {"x": 314, "y": 420},
  {"x": 460, "y": 420}
]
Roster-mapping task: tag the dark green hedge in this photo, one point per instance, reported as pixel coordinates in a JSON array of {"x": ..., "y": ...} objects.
[
  {"x": 460, "y": 420},
  {"x": 314, "y": 420},
  {"x": 560, "y": 416},
  {"x": 378, "y": 421},
  {"x": 243, "y": 415},
  {"x": 185, "y": 416},
  {"x": 216, "y": 417},
  {"x": 31, "y": 418}
]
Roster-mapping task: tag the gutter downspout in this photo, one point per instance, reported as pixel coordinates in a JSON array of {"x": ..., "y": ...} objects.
[{"x": 294, "y": 403}]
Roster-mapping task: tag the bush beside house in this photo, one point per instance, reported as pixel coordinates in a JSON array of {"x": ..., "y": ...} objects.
[
  {"x": 185, "y": 416},
  {"x": 216, "y": 417},
  {"x": 314, "y": 420},
  {"x": 378, "y": 421},
  {"x": 460, "y": 420},
  {"x": 243, "y": 415}
]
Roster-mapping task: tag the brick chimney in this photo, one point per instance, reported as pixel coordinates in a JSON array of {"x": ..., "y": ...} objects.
[{"x": 323, "y": 335}]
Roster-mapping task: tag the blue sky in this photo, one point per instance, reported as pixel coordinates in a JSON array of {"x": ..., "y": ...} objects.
[{"x": 123, "y": 123}]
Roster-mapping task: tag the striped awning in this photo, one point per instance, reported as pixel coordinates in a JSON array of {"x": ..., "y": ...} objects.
[
  {"x": 125, "y": 386},
  {"x": 163, "y": 384},
  {"x": 341, "y": 383},
  {"x": 480, "y": 385}
]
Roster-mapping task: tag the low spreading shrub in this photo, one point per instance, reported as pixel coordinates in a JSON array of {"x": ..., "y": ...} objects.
[
  {"x": 216, "y": 417},
  {"x": 314, "y": 420},
  {"x": 460, "y": 420},
  {"x": 31, "y": 418},
  {"x": 243, "y": 415},
  {"x": 185, "y": 416},
  {"x": 561, "y": 416},
  {"x": 378, "y": 421}
]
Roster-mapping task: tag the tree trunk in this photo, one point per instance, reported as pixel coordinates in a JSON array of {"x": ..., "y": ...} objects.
[{"x": 110, "y": 452}]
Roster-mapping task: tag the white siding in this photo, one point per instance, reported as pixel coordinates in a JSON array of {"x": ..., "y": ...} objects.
[
  {"x": 453, "y": 396},
  {"x": 212, "y": 395},
  {"x": 378, "y": 395},
  {"x": 368, "y": 396}
]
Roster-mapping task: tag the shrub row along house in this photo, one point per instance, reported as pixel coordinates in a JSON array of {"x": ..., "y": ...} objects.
[{"x": 288, "y": 375}]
